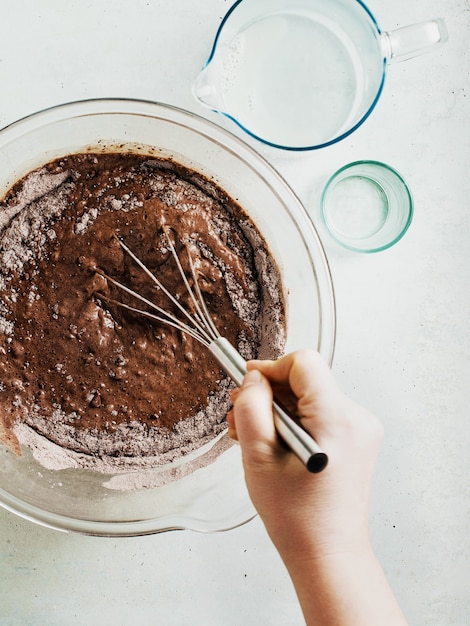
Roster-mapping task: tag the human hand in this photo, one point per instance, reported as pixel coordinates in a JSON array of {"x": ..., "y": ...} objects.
[
  {"x": 318, "y": 522},
  {"x": 315, "y": 513}
]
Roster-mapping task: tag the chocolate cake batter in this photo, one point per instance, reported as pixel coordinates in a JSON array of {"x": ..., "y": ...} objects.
[{"x": 94, "y": 378}]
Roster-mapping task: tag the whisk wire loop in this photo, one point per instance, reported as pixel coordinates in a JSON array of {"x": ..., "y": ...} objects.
[
  {"x": 198, "y": 300},
  {"x": 201, "y": 329},
  {"x": 165, "y": 317}
]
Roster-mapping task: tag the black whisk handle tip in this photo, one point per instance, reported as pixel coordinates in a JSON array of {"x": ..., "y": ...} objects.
[{"x": 317, "y": 462}]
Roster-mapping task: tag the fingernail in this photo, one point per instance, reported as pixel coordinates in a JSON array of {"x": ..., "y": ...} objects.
[
  {"x": 233, "y": 393},
  {"x": 232, "y": 433},
  {"x": 253, "y": 377}
]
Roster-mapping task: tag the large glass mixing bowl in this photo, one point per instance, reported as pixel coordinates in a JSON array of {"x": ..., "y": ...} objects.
[{"x": 214, "y": 497}]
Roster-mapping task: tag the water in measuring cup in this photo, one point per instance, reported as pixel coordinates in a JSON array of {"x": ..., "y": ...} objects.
[{"x": 292, "y": 79}]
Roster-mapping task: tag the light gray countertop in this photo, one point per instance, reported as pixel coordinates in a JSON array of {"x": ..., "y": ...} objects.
[{"x": 403, "y": 339}]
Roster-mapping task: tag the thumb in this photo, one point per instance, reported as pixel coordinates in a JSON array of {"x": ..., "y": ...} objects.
[{"x": 253, "y": 415}]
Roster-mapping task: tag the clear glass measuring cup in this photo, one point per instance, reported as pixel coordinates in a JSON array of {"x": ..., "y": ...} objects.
[{"x": 303, "y": 74}]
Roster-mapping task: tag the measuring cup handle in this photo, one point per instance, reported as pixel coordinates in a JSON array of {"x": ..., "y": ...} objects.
[{"x": 410, "y": 41}]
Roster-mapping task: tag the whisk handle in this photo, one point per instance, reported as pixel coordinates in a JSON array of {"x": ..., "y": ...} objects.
[{"x": 287, "y": 426}]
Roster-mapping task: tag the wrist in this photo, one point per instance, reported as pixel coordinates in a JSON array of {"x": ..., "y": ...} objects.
[
  {"x": 343, "y": 587},
  {"x": 309, "y": 541}
]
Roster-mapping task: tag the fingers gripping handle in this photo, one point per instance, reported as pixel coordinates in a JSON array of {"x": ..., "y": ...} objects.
[
  {"x": 298, "y": 440},
  {"x": 293, "y": 435}
]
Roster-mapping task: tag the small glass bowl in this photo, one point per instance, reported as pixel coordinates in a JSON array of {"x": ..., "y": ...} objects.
[
  {"x": 367, "y": 206},
  {"x": 212, "y": 497}
]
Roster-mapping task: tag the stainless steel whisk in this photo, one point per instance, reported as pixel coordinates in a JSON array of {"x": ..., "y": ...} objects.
[{"x": 201, "y": 327}]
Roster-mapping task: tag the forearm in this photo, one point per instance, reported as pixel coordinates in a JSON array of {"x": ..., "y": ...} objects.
[{"x": 344, "y": 589}]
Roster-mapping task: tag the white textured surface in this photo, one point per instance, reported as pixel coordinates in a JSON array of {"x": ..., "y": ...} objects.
[{"x": 403, "y": 328}]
